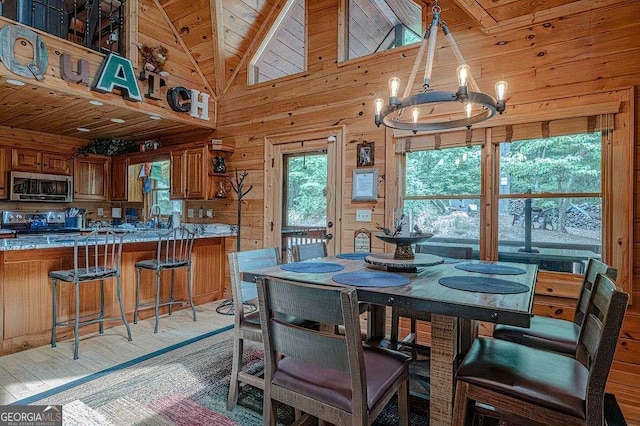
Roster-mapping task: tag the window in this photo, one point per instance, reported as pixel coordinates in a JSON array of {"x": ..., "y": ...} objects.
[
  {"x": 550, "y": 200},
  {"x": 283, "y": 51},
  {"x": 546, "y": 206},
  {"x": 159, "y": 189},
  {"x": 378, "y": 26},
  {"x": 443, "y": 192}
]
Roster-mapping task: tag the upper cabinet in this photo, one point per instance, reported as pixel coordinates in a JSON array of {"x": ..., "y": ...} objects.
[
  {"x": 119, "y": 178},
  {"x": 192, "y": 172},
  {"x": 91, "y": 178},
  {"x": 125, "y": 182},
  {"x": 189, "y": 174},
  {"x": 4, "y": 167},
  {"x": 27, "y": 160},
  {"x": 178, "y": 190},
  {"x": 196, "y": 172}
]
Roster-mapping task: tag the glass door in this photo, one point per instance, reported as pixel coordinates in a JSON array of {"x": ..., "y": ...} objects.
[{"x": 304, "y": 201}]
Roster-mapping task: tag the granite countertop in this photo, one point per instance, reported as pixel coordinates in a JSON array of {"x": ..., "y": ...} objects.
[{"x": 133, "y": 235}]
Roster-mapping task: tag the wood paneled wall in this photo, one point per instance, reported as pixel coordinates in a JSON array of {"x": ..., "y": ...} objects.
[{"x": 581, "y": 54}]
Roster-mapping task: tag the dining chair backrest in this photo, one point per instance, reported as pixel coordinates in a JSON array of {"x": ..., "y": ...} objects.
[
  {"x": 325, "y": 305},
  {"x": 599, "y": 337},
  {"x": 97, "y": 255},
  {"x": 302, "y": 252},
  {"x": 243, "y": 291},
  {"x": 594, "y": 267},
  {"x": 174, "y": 247},
  {"x": 454, "y": 252}
]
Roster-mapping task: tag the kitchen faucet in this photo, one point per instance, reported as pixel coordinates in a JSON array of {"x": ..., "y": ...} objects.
[{"x": 155, "y": 217}]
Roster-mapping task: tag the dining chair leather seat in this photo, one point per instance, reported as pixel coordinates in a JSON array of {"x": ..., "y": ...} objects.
[
  {"x": 522, "y": 382},
  {"x": 335, "y": 378},
  {"x": 546, "y": 333},
  {"x": 383, "y": 367},
  {"x": 528, "y": 374},
  {"x": 252, "y": 320},
  {"x": 555, "y": 334}
]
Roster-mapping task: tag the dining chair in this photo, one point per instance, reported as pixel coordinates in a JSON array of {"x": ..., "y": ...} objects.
[
  {"x": 173, "y": 252},
  {"x": 246, "y": 325},
  {"x": 302, "y": 252},
  {"x": 525, "y": 382},
  {"x": 410, "y": 340},
  {"x": 96, "y": 257},
  {"x": 554, "y": 334},
  {"x": 332, "y": 377}
]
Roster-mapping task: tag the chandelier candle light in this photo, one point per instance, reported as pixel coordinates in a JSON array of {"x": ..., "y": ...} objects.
[{"x": 477, "y": 106}]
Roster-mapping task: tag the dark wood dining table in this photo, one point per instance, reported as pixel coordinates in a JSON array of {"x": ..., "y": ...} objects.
[{"x": 454, "y": 313}]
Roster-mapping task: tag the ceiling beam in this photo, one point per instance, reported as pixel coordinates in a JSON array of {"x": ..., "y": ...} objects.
[
  {"x": 176, "y": 34},
  {"x": 263, "y": 32},
  {"x": 217, "y": 42},
  {"x": 477, "y": 12}
]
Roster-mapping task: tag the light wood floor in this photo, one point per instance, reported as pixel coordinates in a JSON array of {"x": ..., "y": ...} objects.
[
  {"x": 30, "y": 372},
  {"x": 36, "y": 370}
]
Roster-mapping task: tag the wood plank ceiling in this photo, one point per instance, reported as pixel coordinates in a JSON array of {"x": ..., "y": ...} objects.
[{"x": 222, "y": 36}]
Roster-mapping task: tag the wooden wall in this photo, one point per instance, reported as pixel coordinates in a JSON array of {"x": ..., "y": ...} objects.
[{"x": 581, "y": 54}]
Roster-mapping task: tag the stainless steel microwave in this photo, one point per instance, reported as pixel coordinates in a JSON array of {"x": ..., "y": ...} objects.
[{"x": 25, "y": 186}]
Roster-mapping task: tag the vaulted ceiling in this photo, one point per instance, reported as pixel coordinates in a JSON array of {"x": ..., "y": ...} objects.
[{"x": 221, "y": 37}]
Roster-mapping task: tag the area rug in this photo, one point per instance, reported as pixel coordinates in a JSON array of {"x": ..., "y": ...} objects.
[{"x": 185, "y": 386}]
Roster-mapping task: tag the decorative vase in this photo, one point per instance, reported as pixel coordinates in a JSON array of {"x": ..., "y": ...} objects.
[
  {"x": 403, "y": 245},
  {"x": 218, "y": 165}
]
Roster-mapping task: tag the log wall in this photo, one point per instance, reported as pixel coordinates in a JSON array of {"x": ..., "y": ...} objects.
[{"x": 586, "y": 53}]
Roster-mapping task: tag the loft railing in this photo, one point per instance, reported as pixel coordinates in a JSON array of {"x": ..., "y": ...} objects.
[{"x": 95, "y": 24}]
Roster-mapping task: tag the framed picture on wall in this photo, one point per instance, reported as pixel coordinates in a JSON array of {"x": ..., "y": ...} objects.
[
  {"x": 365, "y": 154},
  {"x": 365, "y": 185}
]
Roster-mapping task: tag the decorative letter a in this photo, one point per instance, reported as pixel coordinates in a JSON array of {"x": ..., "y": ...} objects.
[{"x": 117, "y": 72}]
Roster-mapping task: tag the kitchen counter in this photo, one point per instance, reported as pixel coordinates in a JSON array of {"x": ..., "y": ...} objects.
[
  {"x": 133, "y": 235},
  {"x": 26, "y": 291}
]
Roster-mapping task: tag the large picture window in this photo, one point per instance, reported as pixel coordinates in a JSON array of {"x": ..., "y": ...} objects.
[
  {"x": 546, "y": 198},
  {"x": 550, "y": 206}
]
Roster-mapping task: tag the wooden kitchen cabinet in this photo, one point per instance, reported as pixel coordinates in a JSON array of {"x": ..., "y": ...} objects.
[
  {"x": 56, "y": 164},
  {"x": 196, "y": 160},
  {"x": 119, "y": 179},
  {"x": 189, "y": 174},
  {"x": 177, "y": 190},
  {"x": 91, "y": 176},
  {"x": 4, "y": 167},
  {"x": 27, "y": 160}
]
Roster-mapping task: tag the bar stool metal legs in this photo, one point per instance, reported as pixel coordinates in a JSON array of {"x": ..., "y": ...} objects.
[
  {"x": 96, "y": 258},
  {"x": 173, "y": 252}
]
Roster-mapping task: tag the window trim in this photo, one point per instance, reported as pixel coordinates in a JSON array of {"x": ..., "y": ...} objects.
[{"x": 618, "y": 171}]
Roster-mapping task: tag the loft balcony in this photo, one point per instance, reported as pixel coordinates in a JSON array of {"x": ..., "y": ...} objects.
[{"x": 95, "y": 24}]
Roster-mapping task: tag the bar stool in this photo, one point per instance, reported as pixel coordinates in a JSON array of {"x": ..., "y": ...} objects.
[
  {"x": 96, "y": 257},
  {"x": 173, "y": 252}
]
